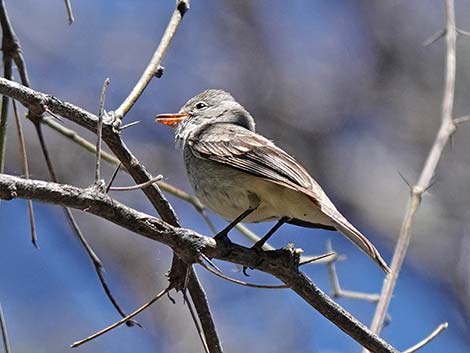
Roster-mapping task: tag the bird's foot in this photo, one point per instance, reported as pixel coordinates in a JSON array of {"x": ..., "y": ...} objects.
[
  {"x": 258, "y": 247},
  {"x": 222, "y": 237}
]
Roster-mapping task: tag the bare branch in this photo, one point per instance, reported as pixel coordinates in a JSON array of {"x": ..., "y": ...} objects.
[
  {"x": 201, "y": 304},
  {"x": 68, "y": 7},
  {"x": 138, "y": 186},
  {"x": 3, "y": 331},
  {"x": 446, "y": 130},
  {"x": 4, "y": 113},
  {"x": 242, "y": 283},
  {"x": 25, "y": 170},
  {"x": 188, "y": 244},
  {"x": 324, "y": 258},
  {"x": 337, "y": 291},
  {"x": 435, "y": 37},
  {"x": 154, "y": 67},
  {"x": 134, "y": 123},
  {"x": 99, "y": 130},
  {"x": 462, "y": 120},
  {"x": 428, "y": 339},
  {"x": 122, "y": 321},
  {"x": 196, "y": 322}
]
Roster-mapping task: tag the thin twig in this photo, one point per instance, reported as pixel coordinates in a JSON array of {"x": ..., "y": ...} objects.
[
  {"x": 242, "y": 283},
  {"x": 428, "y": 339},
  {"x": 79, "y": 140},
  {"x": 435, "y": 37},
  {"x": 11, "y": 45},
  {"x": 138, "y": 186},
  {"x": 7, "y": 70},
  {"x": 134, "y": 123},
  {"x": 122, "y": 321},
  {"x": 327, "y": 258},
  {"x": 25, "y": 170},
  {"x": 196, "y": 322},
  {"x": 99, "y": 130},
  {"x": 3, "y": 330},
  {"x": 462, "y": 32},
  {"x": 8, "y": 45},
  {"x": 199, "y": 299},
  {"x": 446, "y": 130},
  {"x": 462, "y": 120},
  {"x": 336, "y": 289},
  {"x": 68, "y": 7},
  {"x": 113, "y": 177},
  {"x": 152, "y": 68}
]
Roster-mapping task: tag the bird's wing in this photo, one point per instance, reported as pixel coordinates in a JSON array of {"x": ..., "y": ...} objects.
[{"x": 252, "y": 153}]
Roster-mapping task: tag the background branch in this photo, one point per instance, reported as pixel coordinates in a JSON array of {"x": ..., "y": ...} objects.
[
  {"x": 154, "y": 67},
  {"x": 446, "y": 130},
  {"x": 3, "y": 331}
]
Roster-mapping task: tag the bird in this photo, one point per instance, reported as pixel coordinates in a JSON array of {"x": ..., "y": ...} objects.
[{"x": 243, "y": 176}]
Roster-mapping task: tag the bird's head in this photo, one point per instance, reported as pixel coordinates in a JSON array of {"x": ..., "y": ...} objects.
[{"x": 212, "y": 106}]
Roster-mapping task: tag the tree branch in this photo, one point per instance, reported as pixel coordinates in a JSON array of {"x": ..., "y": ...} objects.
[
  {"x": 188, "y": 245},
  {"x": 153, "y": 69},
  {"x": 3, "y": 332},
  {"x": 446, "y": 130}
]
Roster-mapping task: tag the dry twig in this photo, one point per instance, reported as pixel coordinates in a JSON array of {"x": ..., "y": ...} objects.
[
  {"x": 99, "y": 130},
  {"x": 154, "y": 67},
  {"x": 446, "y": 130},
  {"x": 68, "y": 7},
  {"x": 3, "y": 331},
  {"x": 25, "y": 170},
  {"x": 122, "y": 321},
  {"x": 337, "y": 291},
  {"x": 428, "y": 339}
]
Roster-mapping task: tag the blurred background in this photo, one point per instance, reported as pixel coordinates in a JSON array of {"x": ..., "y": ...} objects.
[{"x": 345, "y": 86}]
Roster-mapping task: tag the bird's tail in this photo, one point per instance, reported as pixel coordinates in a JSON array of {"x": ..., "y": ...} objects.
[{"x": 361, "y": 241}]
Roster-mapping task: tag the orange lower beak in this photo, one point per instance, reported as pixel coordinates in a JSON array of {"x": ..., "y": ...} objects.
[{"x": 171, "y": 119}]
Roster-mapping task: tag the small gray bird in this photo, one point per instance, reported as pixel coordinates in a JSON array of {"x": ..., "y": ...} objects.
[{"x": 243, "y": 176}]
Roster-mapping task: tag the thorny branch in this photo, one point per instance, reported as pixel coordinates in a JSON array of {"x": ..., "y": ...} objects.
[
  {"x": 154, "y": 67},
  {"x": 188, "y": 244},
  {"x": 446, "y": 130}
]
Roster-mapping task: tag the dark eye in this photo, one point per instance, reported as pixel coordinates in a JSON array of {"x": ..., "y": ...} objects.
[{"x": 201, "y": 105}]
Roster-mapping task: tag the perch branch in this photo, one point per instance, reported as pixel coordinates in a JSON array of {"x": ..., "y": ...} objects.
[{"x": 188, "y": 244}]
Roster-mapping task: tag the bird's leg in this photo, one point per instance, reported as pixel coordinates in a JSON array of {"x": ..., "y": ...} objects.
[
  {"x": 259, "y": 244},
  {"x": 223, "y": 234}
]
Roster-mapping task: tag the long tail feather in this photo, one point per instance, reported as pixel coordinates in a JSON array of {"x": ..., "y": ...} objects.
[{"x": 362, "y": 242}]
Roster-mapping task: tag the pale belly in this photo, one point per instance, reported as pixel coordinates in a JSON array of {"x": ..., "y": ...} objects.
[{"x": 229, "y": 192}]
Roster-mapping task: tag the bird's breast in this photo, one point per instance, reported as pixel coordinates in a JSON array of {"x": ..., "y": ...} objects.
[{"x": 229, "y": 192}]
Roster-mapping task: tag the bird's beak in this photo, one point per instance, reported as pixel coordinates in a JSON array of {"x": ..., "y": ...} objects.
[{"x": 171, "y": 119}]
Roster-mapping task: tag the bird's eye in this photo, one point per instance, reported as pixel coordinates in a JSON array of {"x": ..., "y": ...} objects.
[{"x": 201, "y": 105}]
